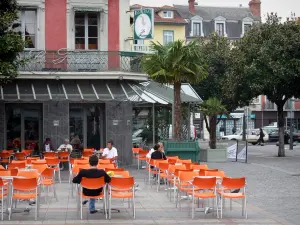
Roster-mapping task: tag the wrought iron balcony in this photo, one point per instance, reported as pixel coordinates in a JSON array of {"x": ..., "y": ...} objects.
[
  {"x": 141, "y": 48},
  {"x": 81, "y": 61}
]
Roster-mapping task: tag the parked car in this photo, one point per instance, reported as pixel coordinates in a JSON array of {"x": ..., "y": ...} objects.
[
  {"x": 274, "y": 136},
  {"x": 252, "y": 136}
]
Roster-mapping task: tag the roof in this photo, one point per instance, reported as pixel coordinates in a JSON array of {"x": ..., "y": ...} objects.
[
  {"x": 210, "y": 12},
  {"x": 21, "y": 90},
  {"x": 157, "y": 19}
]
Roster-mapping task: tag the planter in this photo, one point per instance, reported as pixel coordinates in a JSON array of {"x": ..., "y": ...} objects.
[
  {"x": 213, "y": 155},
  {"x": 185, "y": 150}
]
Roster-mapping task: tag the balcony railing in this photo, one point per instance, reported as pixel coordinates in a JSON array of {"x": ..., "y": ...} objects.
[
  {"x": 142, "y": 48},
  {"x": 81, "y": 61}
]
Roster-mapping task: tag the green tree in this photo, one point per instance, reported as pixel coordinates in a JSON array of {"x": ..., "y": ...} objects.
[
  {"x": 211, "y": 108},
  {"x": 11, "y": 42},
  {"x": 217, "y": 53},
  {"x": 173, "y": 64},
  {"x": 267, "y": 60}
]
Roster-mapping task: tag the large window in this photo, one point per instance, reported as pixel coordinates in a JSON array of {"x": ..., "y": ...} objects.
[
  {"x": 27, "y": 26},
  {"x": 168, "y": 14},
  {"x": 168, "y": 36},
  {"x": 196, "y": 29},
  {"x": 247, "y": 27},
  {"x": 220, "y": 29},
  {"x": 86, "y": 31}
]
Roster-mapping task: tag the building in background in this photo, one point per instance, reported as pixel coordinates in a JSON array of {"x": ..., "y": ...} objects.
[{"x": 168, "y": 26}]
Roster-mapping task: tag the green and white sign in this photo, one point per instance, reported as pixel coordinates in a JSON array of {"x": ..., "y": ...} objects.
[{"x": 143, "y": 24}]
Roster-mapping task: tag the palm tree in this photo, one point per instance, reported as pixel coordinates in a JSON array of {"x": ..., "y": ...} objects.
[
  {"x": 211, "y": 108},
  {"x": 173, "y": 64}
]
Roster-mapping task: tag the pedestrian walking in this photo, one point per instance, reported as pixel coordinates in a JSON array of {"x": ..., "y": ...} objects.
[
  {"x": 261, "y": 137},
  {"x": 233, "y": 130}
]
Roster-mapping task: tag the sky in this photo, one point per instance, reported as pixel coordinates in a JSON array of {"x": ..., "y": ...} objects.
[{"x": 284, "y": 8}]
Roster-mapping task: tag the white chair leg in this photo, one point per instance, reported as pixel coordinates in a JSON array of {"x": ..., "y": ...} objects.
[
  {"x": 81, "y": 209},
  {"x": 221, "y": 200},
  {"x": 133, "y": 206}
]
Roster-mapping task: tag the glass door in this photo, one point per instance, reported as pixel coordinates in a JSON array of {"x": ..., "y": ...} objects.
[
  {"x": 13, "y": 127},
  {"x": 76, "y": 125},
  {"x": 93, "y": 127},
  {"x": 32, "y": 129}
]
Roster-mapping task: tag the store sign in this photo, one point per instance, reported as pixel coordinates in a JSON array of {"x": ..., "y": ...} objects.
[
  {"x": 143, "y": 24},
  {"x": 231, "y": 151}
]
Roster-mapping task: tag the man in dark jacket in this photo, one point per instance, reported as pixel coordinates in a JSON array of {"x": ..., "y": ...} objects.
[{"x": 93, "y": 172}]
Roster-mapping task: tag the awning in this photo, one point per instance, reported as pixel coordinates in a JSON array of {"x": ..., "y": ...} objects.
[
  {"x": 89, "y": 91},
  {"x": 87, "y": 9}
]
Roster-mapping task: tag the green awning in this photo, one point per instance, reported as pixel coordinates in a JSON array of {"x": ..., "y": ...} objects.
[{"x": 87, "y": 9}]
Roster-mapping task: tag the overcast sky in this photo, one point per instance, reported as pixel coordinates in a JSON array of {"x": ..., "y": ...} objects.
[{"x": 282, "y": 7}]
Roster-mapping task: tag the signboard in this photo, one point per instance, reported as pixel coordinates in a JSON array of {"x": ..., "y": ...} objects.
[
  {"x": 56, "y": 123},
  {"x": 242, "y": 154},
  {"x": 231, "y": 151},
  {"x": 143, "y": 23}
]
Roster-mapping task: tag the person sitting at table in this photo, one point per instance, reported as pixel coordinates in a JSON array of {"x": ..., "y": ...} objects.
[
  {"x": 158, "y": 152},
  {"x": 93, "y": 172},
  {"x": 110, "y": 152},
  {"x": 66, "y": 147},
  {"x": 152, "y": 150},
  {"x": 47, "y": 146}
]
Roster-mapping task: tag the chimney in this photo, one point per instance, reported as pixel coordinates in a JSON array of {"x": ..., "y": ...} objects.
[
  {"x": 192, "y": 6},
  {"x": 255, "y": 7}
]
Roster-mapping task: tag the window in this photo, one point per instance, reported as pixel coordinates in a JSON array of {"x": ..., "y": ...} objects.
[
  {"x": 196, "y": 29},
  {"x": 288, "y": 104},
  {"x": 269, "y": 104},
  {"x": 247, "y": 27},
  {"x": 220, "y": 29},
  {"x": 168, "y": 14},
  {"x": 86, "y": 31},
  {"x": 27, "y": 26},
  {"x": 138, "y": 42},
  {"x": 168, "y": 36}
]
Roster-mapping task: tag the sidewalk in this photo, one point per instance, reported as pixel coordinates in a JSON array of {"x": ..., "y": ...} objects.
[{"x": 151, "y": 208}]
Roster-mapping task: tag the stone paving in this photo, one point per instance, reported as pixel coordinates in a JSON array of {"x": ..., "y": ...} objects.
[{"x": 155, "y": 208}]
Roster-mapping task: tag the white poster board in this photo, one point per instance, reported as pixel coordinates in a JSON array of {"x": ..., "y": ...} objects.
[{"x": 231, "y": 151}]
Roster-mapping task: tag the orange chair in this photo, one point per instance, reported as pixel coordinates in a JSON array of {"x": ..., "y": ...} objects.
[
  {"x": 143, "y": 156},
  {"x": 28, "y": 174},
  {"x": 172, "y": 179},
  {"x": 173, "y": 157},
  {"x": 152, "y": 171},
  {"x": 126, "y": 184},
  {"x": 42, "y": 161},
  {"x": 11, "y": 152},
  {"x": 163, "y": 167},
  {"x": 184, "y": 161},
  {"x": 39, "y": 167},
  {"x": 17, "y": 164},
  {"x": 49, "y": 154},
  {"x": 104, "y": 161},
  {"x": 106, "y": 166},
  {"x": 199, "y": 167},
  {"x": 136, "y": 155},
  {"x": 92, "y": 184},
  {"x": 2, "y": 168},
  {"x": 63, "y": 157},
  {"x": 81, "y": 162},
  {"x": 114, "y": 169},
  {"x": 5, "y": 157},
  {"x": 74, "y": 171},
  {"x": 20, "y": 156},
  {"x": 30, "y": 159},
  {"x": 25, "y": 189},
  {"x": 202, "y": 189},
  {"x": 53, "y": 162},
  {"x": 3, "y": 194},
  {"x": 121, "y": 174},
  {"x": 27, "y": 152},
  {"x": 14, "y": 172},
  {"x": 184, "y": 184},
  {"x": 233, "y": 183},
  {"x": 172, "y": 161},
  {"x": 4, "y": 173},
  {"x": 220, "y": 174},
  {"x": 48, "y": 181},
  {"x": 87, "y": 153}
]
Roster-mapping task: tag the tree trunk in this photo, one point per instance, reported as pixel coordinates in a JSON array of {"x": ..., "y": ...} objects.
[
  {"x": 213, "y": 132},
  {"x": 177, "y": 112},
  {"x": 280, "y": 116}
]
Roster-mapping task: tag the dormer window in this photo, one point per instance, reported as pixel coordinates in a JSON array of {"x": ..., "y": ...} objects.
[
  {"x": 220, "y": 26},
  {"x": 168, "y": 14},
  {"x": 196, "y": 27},
  {"x": 247, "y": 24}
]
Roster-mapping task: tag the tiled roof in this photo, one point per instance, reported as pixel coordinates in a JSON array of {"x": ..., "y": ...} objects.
[{"x": 157, "y": 19}]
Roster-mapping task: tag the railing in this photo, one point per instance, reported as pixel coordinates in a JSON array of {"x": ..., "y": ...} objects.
[
  {"x": 81, "y": 61},
  {"x": 142, "y": 48}
]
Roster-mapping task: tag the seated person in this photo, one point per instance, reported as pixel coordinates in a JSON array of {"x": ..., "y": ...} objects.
[
  {"x": 158, "y": 152},
  {"x": 93, "y": 172},
  {"x": 47, "y": 146},
  {"x": 110, "y": 152},
  {"x": 152, "y": 150},
  {"x": 66, "y": 147}
]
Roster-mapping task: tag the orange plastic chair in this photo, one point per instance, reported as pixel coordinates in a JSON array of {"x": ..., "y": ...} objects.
[
  {"x": 39, "y": 167},
  {"x": 81, "y": 162},
  {"x": 53, "y": 162},
  {"x": 92, "y": 184},
  {"x": 199, "y": 167},
  {"x": 121, "y": 173},
  {"x": 104, "y": 161},
  {"x": 173, "y": 157},
  {"x": 142, "y": 156},
  {"x": 87, "y": 154},
  {"x": 172, "y": 179},
  {"x": 220, "y": 173},
  {"x": 106, "y": 166},
  {"x": 163, "y": 167},
  {"x": 126, "y": 184},
  {"x": 202, "y": 189},
  {"x": 42, "y": 161},
  {"x": 28, "y": 174},
  {"x": 27, "y": 152},
  {"x": 30, "y": 159},
  {"x": 5, "y": 173},
  {"x": 151, "y": 169},
  {"x": 49, "y": 154},
  {"x": 136, "y": 152},
  {"x": 48, "y": 181},
  {"x": 74, "y": 171},
  {"x": 3, "y": 194},
  {"x": 63, "y": 156},
  {"x": 2, "y": 168},
  {"x": 184, "y": 184},
  {"x": 14, "y": 172},
  {"x": 172, "y": 161},
  {"x": 184, "y": 161},
  {"x": 5, "y": 157},
  {"x": 114, "y": 169},
  {"x": 25, "y": 189},
  {"x": 20, "y": 156},
  {"x": 11, "y": 152},
  {"x": 17, "y": 164},
  {"x": 234, "y": 183}
]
